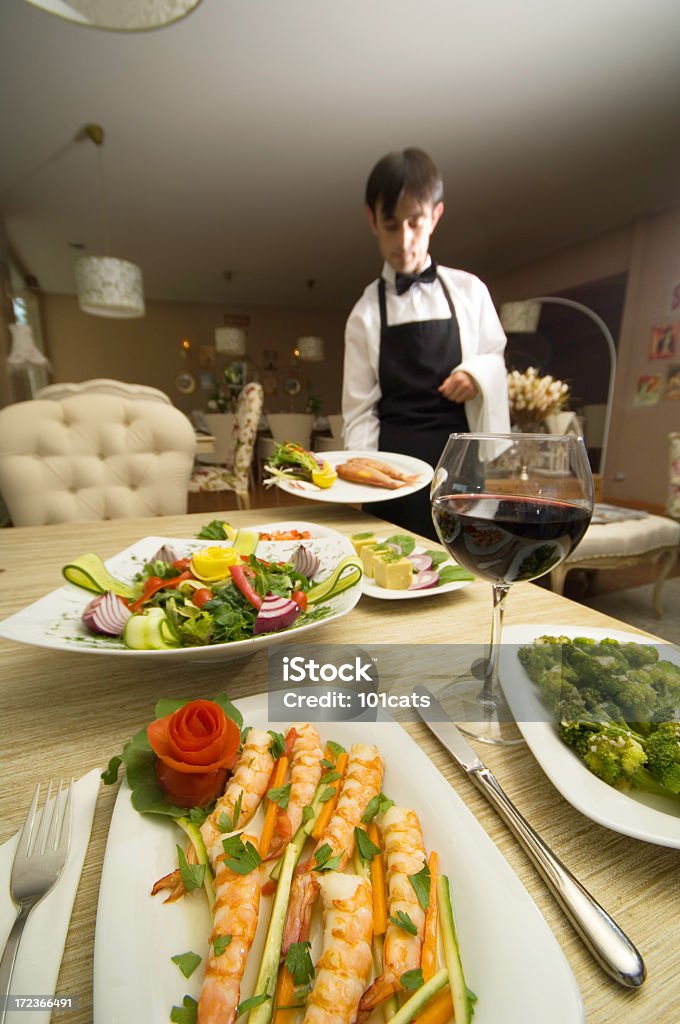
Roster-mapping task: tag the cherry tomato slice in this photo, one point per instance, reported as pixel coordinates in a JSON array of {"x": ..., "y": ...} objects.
[
  {"x": 300, "y": 598},
  {"x": 202, "y": 596}
]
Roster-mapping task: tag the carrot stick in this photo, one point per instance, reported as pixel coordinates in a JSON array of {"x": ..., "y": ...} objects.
[
  {"x": 428, "y": 960},
  {"x": 378, "y": 884},
  {"x": 285, "y": 996},
  {"x": 277, "y": 779},
  {"x": 328, "y": 808},
  {"x": 439, "y": 1010}
]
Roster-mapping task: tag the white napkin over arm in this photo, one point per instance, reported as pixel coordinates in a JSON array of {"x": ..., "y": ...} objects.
[{"x": 42, "y": 945}]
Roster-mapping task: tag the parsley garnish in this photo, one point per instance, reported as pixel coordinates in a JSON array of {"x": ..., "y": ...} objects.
[
  {"x": 324, "y": 860},
  {"x": 250, "y": 1004},
  {"x": 277, "y": 745},
  {"x": 227, "y": 824},
  {"x": 185, "y": 1014},
  {"x": 403, "y": 921},
  {"x": 336, "y": 749},
  {"x": 327, "y": 795},
  {"x": 192, "y": 874},
  {"x": 187, "y": 962},
  {"x": 377, "y": 805},
  {"x": 324, "y": 762},
  {"x": 280, "y": 795},
  {"x": 331, "y": 776},
  {"x": 307, "y": 813},
  {"x": 242, "y": 858},
  {"x": 411, "y": 980},
  {"x": 110, "y": 775},
  {"x": 220, "y": 943},
  {"x": 421, "y": 886},
  {"x": 299, "y": 963},
  {"x": 366, "y": 847}
]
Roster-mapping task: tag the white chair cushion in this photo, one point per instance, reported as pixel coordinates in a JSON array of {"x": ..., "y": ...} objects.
[
  {"x": 94, "y": 457},
  {"x": 628, "y": 537}
]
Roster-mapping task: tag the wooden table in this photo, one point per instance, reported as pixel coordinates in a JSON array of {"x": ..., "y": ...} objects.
[{"x": 63, "y": 714}]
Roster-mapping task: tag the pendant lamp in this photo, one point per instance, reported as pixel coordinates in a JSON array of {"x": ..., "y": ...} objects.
[
  {"x": 119, "y": 15},
  {"x": 309, "y": 349},
  {"x": 107, "y": 285}
]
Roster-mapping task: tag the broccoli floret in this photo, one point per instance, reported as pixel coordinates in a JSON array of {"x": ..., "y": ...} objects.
[
  {"x": 663, "y": 755},
  {"x": 633, "y": 693},
  {"x": 665, "y": 678},
  {"x": 639, "y": 654}
]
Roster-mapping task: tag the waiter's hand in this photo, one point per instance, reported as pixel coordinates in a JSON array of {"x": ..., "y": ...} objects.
[{"x": 458, "y": 387}]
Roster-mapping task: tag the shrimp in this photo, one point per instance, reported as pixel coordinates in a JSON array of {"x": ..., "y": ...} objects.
[
  {"x": 404, "y": 855},
  {"x": 344, "y": 966},
  {"x": 305, "y": 772},
  {"x": 237, "y": 903},
  {"x": 363, "y": 781},
  {"x": 249, "y": 782}
]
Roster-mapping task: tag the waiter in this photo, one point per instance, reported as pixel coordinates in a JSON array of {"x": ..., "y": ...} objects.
[{"x": 423, "y": 345}]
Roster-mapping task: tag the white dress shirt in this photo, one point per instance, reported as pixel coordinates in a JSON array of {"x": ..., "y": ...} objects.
[{"x": 482, "y": 343}]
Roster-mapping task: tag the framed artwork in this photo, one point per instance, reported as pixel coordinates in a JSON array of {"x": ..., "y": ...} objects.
[
  {"x": 648, "y": 389},
  {"x": 672, "y": 389},
  {"x": 664, "y": 341},
  {"x": 185, "y": 383}
]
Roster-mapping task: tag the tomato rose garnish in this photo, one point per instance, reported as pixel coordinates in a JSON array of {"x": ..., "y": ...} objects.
[{"x": 195, "y": 747}]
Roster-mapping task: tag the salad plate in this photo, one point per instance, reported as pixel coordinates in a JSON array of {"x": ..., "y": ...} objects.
[
  {"x": 641, "y": 815},
  {"x": 54, "y": 621},
  {"x": 511, "y": 959},
  {"x": 345, "y": 492},
  {"x": 371, "y": 588}
]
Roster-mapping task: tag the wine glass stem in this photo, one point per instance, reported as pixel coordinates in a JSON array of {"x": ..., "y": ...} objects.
[{"x": 490, "y": 689}]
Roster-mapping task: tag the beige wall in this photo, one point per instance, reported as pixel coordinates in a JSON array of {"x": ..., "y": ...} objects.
[
  {"x": 648, "y": 250},
  {"x": 148, "y": 350}
]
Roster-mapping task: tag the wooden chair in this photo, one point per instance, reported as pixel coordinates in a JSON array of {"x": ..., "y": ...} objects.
[{"x": 237, "y": 477}]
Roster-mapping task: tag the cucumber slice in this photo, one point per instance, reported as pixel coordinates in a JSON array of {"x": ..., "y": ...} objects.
[
  {"x": 196, "y": 839},
  {"x": 413, "y": 1006},
  {"x": 460, "y": 996},
  {"x": 245, "y": 542},
  {"x": 149, "y": 632},
  {"x": 269, "y": 965},
  {"x": 88, "y": 571},
  {"x": 346, "y": 574}
]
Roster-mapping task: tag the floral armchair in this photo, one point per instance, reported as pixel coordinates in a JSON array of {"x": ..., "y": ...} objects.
[{"x": 238, "y": 477}]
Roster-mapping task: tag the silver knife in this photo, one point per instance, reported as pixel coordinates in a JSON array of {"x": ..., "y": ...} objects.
[{"x": 610, "y": 946}]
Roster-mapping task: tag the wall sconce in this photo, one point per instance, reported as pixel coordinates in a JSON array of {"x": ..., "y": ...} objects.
[
  {"x": 230, "y": 341},
  {"x": 185, "y": 346},
  {"x": 522, "y": 318},
  {"x": 309, "y": 349}
]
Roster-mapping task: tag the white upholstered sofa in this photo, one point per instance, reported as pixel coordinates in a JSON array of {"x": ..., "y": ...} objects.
[{"x": 94, "y": 456}]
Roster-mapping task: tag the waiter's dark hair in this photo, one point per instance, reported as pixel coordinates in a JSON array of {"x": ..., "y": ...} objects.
[{"x": 410, "y": 170}]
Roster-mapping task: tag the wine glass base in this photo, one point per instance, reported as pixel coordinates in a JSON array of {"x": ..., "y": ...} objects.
[{"x": 488, "y": 721}]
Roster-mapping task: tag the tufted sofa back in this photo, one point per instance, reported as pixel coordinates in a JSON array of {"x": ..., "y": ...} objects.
[{"x": 94, "y": 457}]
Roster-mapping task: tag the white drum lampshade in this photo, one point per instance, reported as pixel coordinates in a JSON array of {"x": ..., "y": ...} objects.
[
  {"x": 230, "y": 341},
  {"x": 309, "y": 349},
  {"x": 520, "y": 317},
  {"x": 108, "y": 286}
]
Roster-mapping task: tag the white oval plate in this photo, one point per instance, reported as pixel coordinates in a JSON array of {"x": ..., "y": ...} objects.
[
  {"x": 512, "y": 960},
  {"x": 371, "y": 588},
  {"x": 55, "y": 620},
  {"x": 344, "y": 492},
  {"x": 641, "y": 815}
]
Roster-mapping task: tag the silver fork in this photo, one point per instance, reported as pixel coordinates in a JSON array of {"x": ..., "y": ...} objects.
[{"x": 38, "y": 863}]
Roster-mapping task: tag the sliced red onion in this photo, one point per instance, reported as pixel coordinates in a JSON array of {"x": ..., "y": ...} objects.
[
  {"x": 106, "y": 614},
  {"x": 275, "y": 613},
  {"x": 424, "y": 580},
  {"x": 165, "y": 554},
  {"x": 420, "y": 562},
  {"x": 305, "y": 562}
]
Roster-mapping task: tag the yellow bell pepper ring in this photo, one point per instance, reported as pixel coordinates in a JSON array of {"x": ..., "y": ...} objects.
[
  {"x": 212, "y": 564},
  {"x": 324, "y": 477}
]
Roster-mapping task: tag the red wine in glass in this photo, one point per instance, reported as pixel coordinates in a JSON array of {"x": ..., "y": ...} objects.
[
  {"x": 510, "y": 508},
  {"x": 506, "y": 539}
]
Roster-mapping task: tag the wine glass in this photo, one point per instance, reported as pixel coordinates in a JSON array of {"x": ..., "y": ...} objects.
[{"x": 509, "y": 507}]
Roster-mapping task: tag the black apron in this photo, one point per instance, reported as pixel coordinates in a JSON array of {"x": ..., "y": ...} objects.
[{"x": 414, "y": 418}]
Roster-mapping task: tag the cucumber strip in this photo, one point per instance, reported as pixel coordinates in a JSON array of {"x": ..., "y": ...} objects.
[
  {"x": 420, "y": 998},
  {"x": 391, "y": 1005},
  {"x": 346, "y": 574},
  {"x": 269, "y": 965},
  {"x": 196, "y": 840},
  {"x": 90, "y": 573},
  {"x": 462, "y": 1007}
]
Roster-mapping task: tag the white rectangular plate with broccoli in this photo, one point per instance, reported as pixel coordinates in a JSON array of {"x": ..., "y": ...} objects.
[{"x": 642, "y": 815}]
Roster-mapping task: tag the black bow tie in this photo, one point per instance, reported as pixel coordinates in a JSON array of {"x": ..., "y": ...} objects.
[{"x": 403, "y": 282}]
